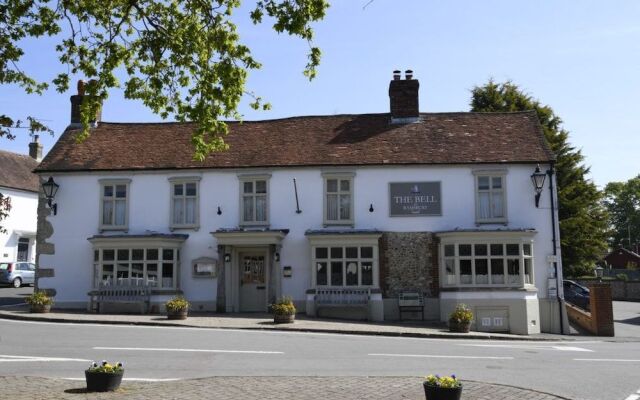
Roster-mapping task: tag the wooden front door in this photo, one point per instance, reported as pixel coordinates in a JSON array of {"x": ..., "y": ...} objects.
[{"x": 253, "y": 287}]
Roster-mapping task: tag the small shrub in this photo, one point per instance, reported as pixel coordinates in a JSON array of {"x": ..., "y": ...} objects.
[
  {"x": 449, "y": 382},
  {"x": 39, "y": 298},
  {"x": 177, "y": 304},
  {"x": 623, "y": 277},
  {"x": 461, "y": 314},
  {"x": 284, "y": 306},
  {"x": 106, "y": 368}
]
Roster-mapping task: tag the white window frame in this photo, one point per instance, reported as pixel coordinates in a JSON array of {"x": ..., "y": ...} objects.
[
  {"x": 254, "y": 178},
  {"x": 102, "y": 244},
  {"x": 339, "y": 176},
  {"x": 344, "y": 241},
  {"x": 184, "y": 181},
  {"x": 114, "y": 183},
  {"x": 518, "y": 238},
  {"x": 495, "y": 173}
]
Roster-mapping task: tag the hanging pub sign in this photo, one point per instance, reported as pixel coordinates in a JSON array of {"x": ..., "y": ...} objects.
[{"x": 411, "y": 199}]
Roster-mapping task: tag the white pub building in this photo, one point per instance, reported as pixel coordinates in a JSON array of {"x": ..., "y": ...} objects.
[{"x": 344, "y": 213}]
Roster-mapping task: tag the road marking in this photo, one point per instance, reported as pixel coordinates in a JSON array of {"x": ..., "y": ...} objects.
[
  {"x": 134, "y": 379},
  {"x": 440, "y": 356},
  {"x": 10, "y": 358},
  {"x": 605, "y": 359},
  {"x": 189, "y": 350},
  {"x": 529, "y": 346},
  {"x": 13, "y": 305}
]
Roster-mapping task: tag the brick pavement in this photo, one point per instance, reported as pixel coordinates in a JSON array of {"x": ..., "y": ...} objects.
[{"x": 264, "y": 388}]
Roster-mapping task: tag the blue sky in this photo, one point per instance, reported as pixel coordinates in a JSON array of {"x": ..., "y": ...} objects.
[{"x": 581, "y": 58}]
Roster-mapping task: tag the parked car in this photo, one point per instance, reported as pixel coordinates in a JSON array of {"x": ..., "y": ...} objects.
[
  {"x": 17, "y": 273},
  {"x": 576, "y": 294}
]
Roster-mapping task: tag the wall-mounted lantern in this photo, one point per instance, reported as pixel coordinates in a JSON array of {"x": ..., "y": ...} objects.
[
  {"x": 371, "y": 208},
  {"x": 227, "y": 257},
  {"x": 276, "y": 257},
  {"x": 599, "y": 273},
  {"x": 50, "y": 189},
  {"x": 219, "y": 212},
  {"x": 538, "y": 178}
]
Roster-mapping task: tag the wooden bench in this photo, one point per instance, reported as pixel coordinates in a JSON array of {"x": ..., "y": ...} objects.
[
  {"x": 411, "y": 302},
  {"x": 120, "y": 293},
  {"x": 342, "y": 297}
]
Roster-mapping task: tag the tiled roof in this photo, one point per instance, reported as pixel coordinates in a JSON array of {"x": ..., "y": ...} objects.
[
  {"x": 365, "y": 139},
  {"x": 15, "y": 172}
]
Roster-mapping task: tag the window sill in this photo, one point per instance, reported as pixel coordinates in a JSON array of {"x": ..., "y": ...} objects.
[
  {"x": 502, "y": 221},
  {"x": 338, "y": 223},
  {"x": 184, "y": 227},
  {"x": 526, "y": 288},
  {"x": 124, "y": 229}
]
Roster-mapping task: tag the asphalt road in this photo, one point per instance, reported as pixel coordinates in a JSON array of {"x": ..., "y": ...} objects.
[
  {"x": 592, "y": 370},
  {"x": 10, "y": 295}
]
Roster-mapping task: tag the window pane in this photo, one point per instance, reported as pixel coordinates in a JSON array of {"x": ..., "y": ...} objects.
[
  {"x": 152, "y": 254},
  {"x": 496, "y": 182},
  {"x": 122, "y": 274},
  {"x": 121, "y": 191},
  {"x": 345, "y": 185},
  {"x": 120, "y": 212},
  {"x": 513, "y": 250},
  {"x": 496, "y": 250},
  {"x": 178, "y": 211},
  {"x": 332, "y": 185},
  {"x": 107, "y": 212},
  {"x": 108, "y": 191},
  {"x": 336, "y": 252},
  {"x": 96, "y": 255},
  {"x": 450, "y": 271},
  {"x": 513, "y": 271},
  {"x": 484, "y": 205},
  {"x": 480, "y": 249},
  {"x": 178, "y": 189},
  {"x": 261, "y": 208},
  {"x": 366, "y": 252},
  {"x": 167, "y": 254},
  {"x": 108, "y": 255},
  {"x": 464, "y": 249},
  {"x": 137, "y": 276},
  {"x": 137, "y": 254},
  {"x": 261, "y": 186},
  {"x": 190, "y": 211},
  {"x": 321, "y": 252},
  {"x": 497, "y": 206},
  {"x": 107, "y": 273},
  {"x": 526, "y": 249},
  {"x": 336, "y": 274},
  {"x": 191, "y": 189},
  {"x": 123, "y": 254},
  {"x": 497, "y": 271},
  {"x": 528, "y": 271},
  {"x": 248, "y": 187},
  {"x": 345, "y": 206},
  {"x": 247, "y": 207},
  {"x": 352, "y": 252},
  {"x": 366, "y": 273},
  {"x": 321, "y": 273},
  {"x": 465, "y": 272},
  {"x": 483, "y": 183},
  {"x": 332, "y": 207},
  {"x": 352, "y": 274},
  {"x": 449, "y": 250},
  {"x": 167, "y": 275},
  {"x": 152, "y": 275},
  {"x": 482, "y": 271}
]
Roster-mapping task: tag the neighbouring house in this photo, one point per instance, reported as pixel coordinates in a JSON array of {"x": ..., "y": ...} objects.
[
  {"x": 622, "y": 258},
  {"x": 20, "y": 184},
  {"x": 343, "y": 213}
]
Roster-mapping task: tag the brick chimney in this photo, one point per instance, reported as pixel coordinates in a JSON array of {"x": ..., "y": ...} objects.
[
  {"x": 35, "y": 149},
  {"x": 76, "y": 101},
  {"x": 403, "y": 98}
]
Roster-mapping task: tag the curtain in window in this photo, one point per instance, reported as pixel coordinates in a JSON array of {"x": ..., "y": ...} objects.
[
  {"x": 107, "y": 212},
  {"x": 190, "y": 211},
  {"x": 247, "y": 207},
  {"x": 497, "y": 205},
  {"x": 261, "y": 208},
  {"x": 484, "y": 205},
  {"x": 178, "y": 207},
  {"x": 332, "y": 207},
  {"x": 120, "y": 212},
  {"x": 345, "y": 206}
]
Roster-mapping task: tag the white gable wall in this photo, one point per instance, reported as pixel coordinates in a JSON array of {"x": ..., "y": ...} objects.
[{"x": 21, "y": 222}]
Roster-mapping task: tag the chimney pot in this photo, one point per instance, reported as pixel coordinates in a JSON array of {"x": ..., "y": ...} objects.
[
  {"x": 403, "y": 98},
  {"x": 408, "y": 74},
  {"x": 35, "y": 149},
  {"x": 76, "y": 102},
  {"x": 396, "y": 75}
]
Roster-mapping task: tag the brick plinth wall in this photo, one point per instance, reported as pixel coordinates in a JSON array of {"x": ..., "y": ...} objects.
[{"x": 601, "y": 309}]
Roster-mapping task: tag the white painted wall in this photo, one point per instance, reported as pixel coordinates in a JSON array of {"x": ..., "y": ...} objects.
[
  {"x": 79, "y": 204},
  {"x": 21, "y": 222}
]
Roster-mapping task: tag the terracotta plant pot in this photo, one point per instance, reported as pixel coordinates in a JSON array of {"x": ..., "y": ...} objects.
[
  {"x": 460, "y": 327},
  {"x": 439, "y": 393},
  {"x": 181, "y": 314},
  {"x": 283, "y": 318},
  {"x": 40, "y": 308},
  {"x": 102, "y": 381}
]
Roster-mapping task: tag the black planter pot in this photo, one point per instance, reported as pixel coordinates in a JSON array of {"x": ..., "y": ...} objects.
[
  {"x": 284, "y": 318},
  {"x": 103, "y": 382},
  {"x": 460, "y": 327},
  {"x": 180, "y": 314},
  {"x": 438, "y": 393}
]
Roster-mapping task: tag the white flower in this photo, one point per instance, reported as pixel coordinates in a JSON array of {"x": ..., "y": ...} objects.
[{"x": 104, "y": 362}]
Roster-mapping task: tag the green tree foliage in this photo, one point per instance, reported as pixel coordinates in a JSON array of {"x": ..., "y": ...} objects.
[
  {"x": 181, "y": 58},
  {"x": 622, "y": 200},
  {"x": 583, "y": 221}
]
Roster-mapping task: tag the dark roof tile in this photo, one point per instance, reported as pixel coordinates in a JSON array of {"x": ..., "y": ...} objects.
[{"x": 16, "y": 172}]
